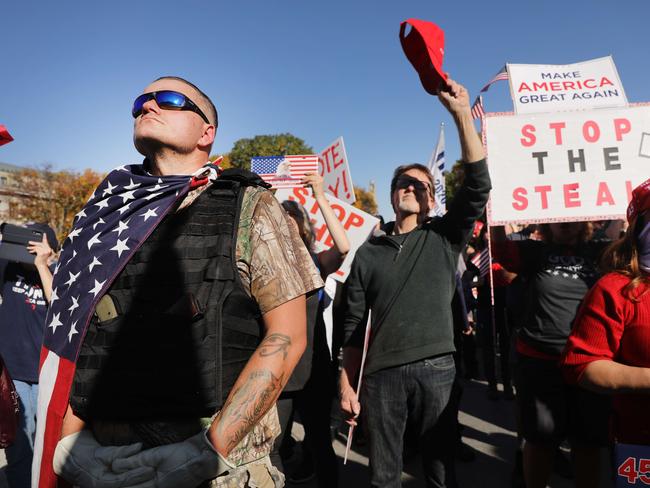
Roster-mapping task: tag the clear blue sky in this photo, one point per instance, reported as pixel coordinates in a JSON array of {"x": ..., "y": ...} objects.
[{"x": 71, "y": 69}]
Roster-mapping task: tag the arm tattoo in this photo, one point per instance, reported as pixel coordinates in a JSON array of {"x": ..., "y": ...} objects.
[
  {"x": 274, "y": 344},
  {"x": 247, "y": 404}
]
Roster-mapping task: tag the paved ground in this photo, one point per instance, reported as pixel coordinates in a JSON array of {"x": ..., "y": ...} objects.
[{"x": 489, "y": 430}]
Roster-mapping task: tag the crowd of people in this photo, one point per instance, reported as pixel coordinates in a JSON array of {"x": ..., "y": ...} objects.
[{"x": 202, "y": 337}]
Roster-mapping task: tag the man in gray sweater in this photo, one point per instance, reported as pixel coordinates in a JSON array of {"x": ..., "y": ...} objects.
[{"x": 407, "y": 279}]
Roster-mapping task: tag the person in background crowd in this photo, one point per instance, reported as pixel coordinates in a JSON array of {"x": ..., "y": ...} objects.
[
  {"x": 492, "y": 320},
  {"x": 312, "y": 386},
  {"x": 557, "y": 272},
  {"x": 26, "y": 290},
  {"x": 608, "y": 350},
  {"x": 407, "y": 279}
]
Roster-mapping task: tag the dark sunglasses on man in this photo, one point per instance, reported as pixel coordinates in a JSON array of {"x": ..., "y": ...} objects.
[
  {"x": 404, "y": 182},
  {"x": 168, "y": 100}
]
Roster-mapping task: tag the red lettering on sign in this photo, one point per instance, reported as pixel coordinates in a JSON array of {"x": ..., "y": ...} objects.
[
  {"x": 300, "y": 194},
  {"x": 628, "y": 188},
  {"x": 644, "y": 469},
  {"x": 336, "y": 155},
  {"x": 604, "y": 81},
  {"x": 628, "y": 470},
  {"x": 557, "y": 127},
  {"x": 320, "y": 232},
  {"x": 345, "y": 184},
  {"x": 338, "y": 211},
  {"x": 590, "y": 131},
  {"x": 334, "y": 190},
  {"x": 354, "y": 220},
  {"x": 604, "y": 195},
  {"x": 519, "y": 195},
  {"x": 529, "y": 139},
  {"x": 543, "y": 190},
  {"x": 571, "y": 195},
  {"x": 621, "y": 126}
]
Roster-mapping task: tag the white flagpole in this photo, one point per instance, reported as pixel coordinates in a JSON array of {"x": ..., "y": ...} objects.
[
  {"x": 366, "y": 342},
  {"x": 436, "y": 166}
]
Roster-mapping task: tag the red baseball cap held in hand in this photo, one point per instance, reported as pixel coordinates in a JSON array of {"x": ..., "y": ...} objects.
[
  {"x": 640, "y": 200},
  {"x": 424, "y": 47}
]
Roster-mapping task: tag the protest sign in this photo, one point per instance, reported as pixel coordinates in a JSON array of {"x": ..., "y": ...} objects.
[
  {"x": 566, "y": 166},
  {"x": 357, "y": 224},
  {"x": 334, "y": 168},
  {"x": 538, "y": 88},
  {"x": 284, "y": 171}
]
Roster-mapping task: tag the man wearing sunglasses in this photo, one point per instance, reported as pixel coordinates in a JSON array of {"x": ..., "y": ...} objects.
[
  {"x": 187, "y": 350},
  {"x": 406, "y": 277}
]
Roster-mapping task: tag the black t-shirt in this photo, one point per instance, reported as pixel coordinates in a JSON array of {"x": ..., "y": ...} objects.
[
  {"x": 22, "y": 320},
  {"x": 556, "y": 279}
]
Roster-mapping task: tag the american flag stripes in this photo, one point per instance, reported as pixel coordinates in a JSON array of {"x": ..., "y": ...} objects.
[
  {"x": 284, "y": 171},
  {"x": 482, "y": 261},
  {"x": 501, "y": 75},
  {"x": 477, "y": 107},
  {"x": 122, "y": 212}
]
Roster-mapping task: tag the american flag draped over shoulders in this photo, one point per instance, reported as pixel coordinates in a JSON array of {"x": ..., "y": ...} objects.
[{"x": 122, "y": 212}]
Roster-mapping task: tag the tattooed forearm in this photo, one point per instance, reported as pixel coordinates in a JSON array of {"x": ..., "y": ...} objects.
[
  {"x": 247, "y": 404},
  {"x": 274, "y": 344}
]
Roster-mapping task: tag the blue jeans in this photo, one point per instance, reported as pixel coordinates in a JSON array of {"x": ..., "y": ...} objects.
[
  {"x": 20, "y": 453},
  {"x": 415, "y": 394}
]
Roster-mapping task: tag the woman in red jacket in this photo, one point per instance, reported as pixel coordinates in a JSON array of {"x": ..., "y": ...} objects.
[{"x": 609, "y": 347}]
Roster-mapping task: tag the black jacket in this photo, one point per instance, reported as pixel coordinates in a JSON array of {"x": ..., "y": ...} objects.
[{"x": 418, "y": 276}]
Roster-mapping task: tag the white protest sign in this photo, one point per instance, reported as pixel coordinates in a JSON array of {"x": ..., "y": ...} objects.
[
  {"x": 538, "y": 88},
  {"x": 334, "y": 168},
  {"x": 565, "y": 166},
  {"x": 357, "y": 224}
]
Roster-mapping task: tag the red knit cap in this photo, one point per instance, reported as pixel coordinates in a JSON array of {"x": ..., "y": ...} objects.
[{"x": 640, "y": 200}]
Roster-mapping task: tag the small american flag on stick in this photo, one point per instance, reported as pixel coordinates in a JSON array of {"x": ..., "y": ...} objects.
[
  {"x": 284, "y": 171},
  {"x": 482, "y": 261}
]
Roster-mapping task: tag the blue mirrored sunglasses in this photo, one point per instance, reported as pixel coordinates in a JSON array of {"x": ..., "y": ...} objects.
[{"x": 168, "y": 100}]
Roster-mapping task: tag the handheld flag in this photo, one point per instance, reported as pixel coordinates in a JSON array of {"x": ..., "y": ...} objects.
[
  {"x": 284, "y": 171},
  {"x": 437, "y": 166}
]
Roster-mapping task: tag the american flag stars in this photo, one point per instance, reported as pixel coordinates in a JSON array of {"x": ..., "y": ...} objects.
[{"x": 124, "y": 209}]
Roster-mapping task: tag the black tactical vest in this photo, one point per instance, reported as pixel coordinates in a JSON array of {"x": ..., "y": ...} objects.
[{"x": 185, "y": 326}]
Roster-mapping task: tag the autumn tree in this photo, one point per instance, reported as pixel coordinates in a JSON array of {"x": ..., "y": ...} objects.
[
  {"x": 365, "y": 200},
  {"x": 225, "y": 160},
  {"x": 54, "y": 197},
  {"x": 266, "y": 145}
]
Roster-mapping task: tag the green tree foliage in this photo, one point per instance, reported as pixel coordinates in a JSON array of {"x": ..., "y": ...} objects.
[
  {"x": 365, "y": 200},
  {"x": 453, "y": 180},
  {"x": 266, "y": 145}
]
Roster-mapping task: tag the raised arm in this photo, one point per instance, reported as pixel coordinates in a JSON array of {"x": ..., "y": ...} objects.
[
  {"x": 456, "y": 100},
  {"x": 469, "y": 202},
  {"x": 331, "y": 259},
  {"x": 44, "y": 254}
]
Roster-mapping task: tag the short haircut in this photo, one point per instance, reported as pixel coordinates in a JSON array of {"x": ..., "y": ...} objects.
[
  {"x": 406, "y": 167},
  {"x": 212, "y": 115}
]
